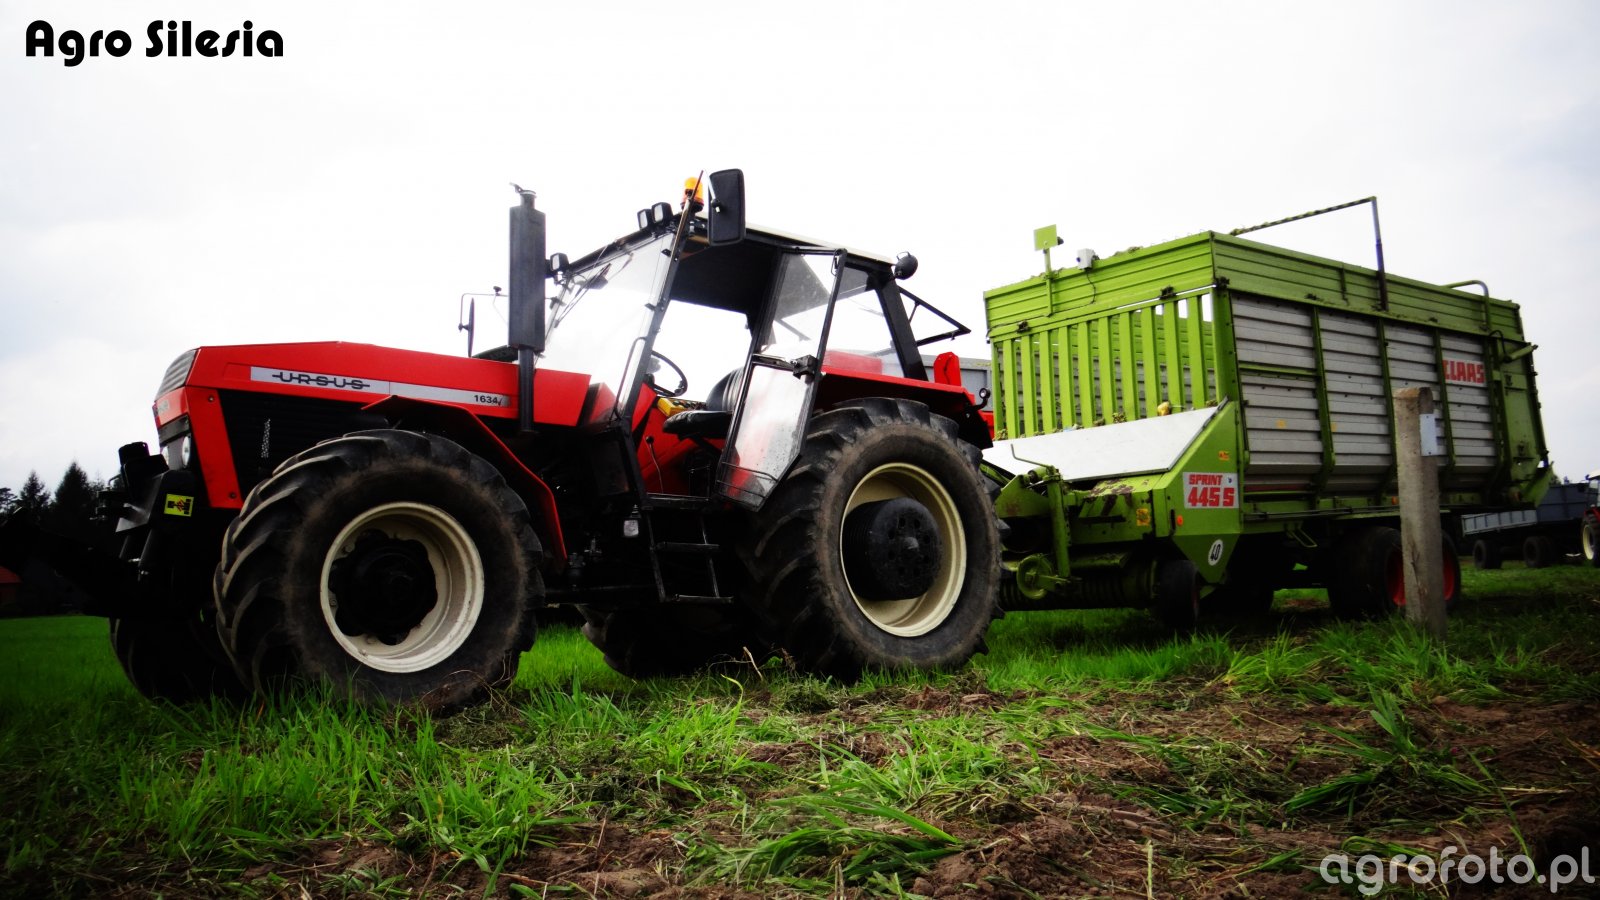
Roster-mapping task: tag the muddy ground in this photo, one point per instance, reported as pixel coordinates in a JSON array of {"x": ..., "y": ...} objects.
[{"x": 1106, "y": 832}]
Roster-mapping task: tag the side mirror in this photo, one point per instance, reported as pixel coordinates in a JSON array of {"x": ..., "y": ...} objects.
[{"x": 725, "y": 212}]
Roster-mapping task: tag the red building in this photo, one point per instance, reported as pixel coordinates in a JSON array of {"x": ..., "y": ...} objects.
[{"x": 9, "y": 584}]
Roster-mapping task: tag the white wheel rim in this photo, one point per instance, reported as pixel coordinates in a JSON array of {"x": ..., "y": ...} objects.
[
  {"x": 458, "y": 583},
  {"x": 1591, "y": 534},
  {"x": 919, "y": 615}
]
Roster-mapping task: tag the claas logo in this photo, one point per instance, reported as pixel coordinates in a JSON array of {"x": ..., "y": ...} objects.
[{"x": 179, "y": 505}]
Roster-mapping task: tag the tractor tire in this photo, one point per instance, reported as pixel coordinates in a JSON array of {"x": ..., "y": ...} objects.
[
  {"x": 880, "y": 549},
  {"x": 176, "y": 660},
  {"x": 665, "y": 641},
  {"x": 1177, "y": 594},
  {"x": 1486, "y": 555},
  {"x": 1538, "y": 552},
  {"x": 1591, "y": 543},
  {"x": 391, "y": 565},
  {"x": 1370, "y": 579}
]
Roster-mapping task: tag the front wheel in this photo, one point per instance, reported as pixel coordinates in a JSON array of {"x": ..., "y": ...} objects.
[
  {"x": 178, "y": 660},
  {"x": 1591, "y": 543},
  {"x": 176, "y": 655},
  {"x": 880, "y": 548},
  {"x": 392, "y": 564}
]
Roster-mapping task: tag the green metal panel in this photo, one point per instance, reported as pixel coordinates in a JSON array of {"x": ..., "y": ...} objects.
[
  {"x": 1152, "y": 365},
  {"x": 1143, "y": 310},
  {"x": 1173, "y": 358}
]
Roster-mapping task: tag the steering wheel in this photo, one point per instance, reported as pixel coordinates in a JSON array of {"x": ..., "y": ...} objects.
[{"x": 683, "y": 380}]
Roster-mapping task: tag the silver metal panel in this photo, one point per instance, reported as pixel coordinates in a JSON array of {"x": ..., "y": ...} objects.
[
  {"x": 1282, "y": 431},
  {"x": 1470, "y": 416},
  {"x": 1271, "y": 333},
  {"x": 1358, "y": 412},
  {"x": 1109, "y": 451},
  {"x": 1412, "y": 361},
  {"x": 1282, "y": 426}
]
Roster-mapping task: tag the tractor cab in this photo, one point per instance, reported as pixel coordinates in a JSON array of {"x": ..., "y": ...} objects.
[{"x": 711, "y": 357}]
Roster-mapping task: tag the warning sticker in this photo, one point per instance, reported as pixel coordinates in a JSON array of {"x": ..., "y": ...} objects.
[
  {"x": 179, "y": 505},
  {"x": 1211, "y": 490}
]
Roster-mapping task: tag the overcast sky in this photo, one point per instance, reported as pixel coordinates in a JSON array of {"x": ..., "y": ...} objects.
[{"x": 355, "y": 187}]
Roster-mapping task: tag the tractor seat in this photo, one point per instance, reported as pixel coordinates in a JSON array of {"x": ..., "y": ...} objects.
[{"x": 713, "y": 422}]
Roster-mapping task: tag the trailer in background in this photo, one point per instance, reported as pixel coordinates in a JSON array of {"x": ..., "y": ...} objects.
[
  {"x": 1540, "y": 536},
  {"x": 1590, "y": 529},
  {"x": 1212, "y": 418}
]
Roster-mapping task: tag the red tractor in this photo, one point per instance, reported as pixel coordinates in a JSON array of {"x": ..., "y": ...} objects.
[{"x": 715, "y": 442}]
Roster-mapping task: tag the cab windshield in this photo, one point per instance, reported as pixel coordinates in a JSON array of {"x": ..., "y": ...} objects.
[{"x": 597, "y": 324}]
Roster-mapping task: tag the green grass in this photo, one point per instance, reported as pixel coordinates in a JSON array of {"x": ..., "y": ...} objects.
[{"x": 1178, "y": 753}]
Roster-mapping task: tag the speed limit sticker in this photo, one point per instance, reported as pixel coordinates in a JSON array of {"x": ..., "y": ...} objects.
[{"x": 1211, "y": 490}]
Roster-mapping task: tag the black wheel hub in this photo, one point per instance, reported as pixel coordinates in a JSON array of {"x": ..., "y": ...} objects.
[
  {"x": 384, "y": 587},
  {"x": 892, "y": 549}
]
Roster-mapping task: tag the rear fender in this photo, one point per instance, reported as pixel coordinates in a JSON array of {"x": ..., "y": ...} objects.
[
  {"x": 470, "y": 432},
  {"x": 838, "y": 387}
]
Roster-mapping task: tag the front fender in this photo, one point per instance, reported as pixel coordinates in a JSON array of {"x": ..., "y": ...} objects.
[{"x": 469, "y": 431}]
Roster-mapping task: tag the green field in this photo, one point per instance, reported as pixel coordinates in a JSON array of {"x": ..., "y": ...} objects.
[{"x": 1087, "y": 754}]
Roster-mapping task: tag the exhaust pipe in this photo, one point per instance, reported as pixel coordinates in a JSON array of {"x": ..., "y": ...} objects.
[{"x": 526, "y": 302}]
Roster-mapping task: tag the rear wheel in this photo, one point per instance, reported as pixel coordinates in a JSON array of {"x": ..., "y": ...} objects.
[
  {"x": 1591, "y": 543},
  {"x": 393, "y": 564},
  {"x": 880, "y": 549},
  {"x": 1485, "y": 555},
  {"x": 1538, "y": 551},
  {"x": 1370, "y": 577}
]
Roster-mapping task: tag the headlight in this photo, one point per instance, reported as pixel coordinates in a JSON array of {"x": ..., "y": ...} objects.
[{"x": 179, "y": 453}]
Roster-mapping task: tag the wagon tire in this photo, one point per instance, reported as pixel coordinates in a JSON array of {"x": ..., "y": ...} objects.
[
  {"x": 1486, "y": 555},
  {"x": 1177, "y": 594},
  {"x": 1538, "y": 551},
  {"x": 879, "y": 549},
  {"x": 1370, "y": 578},
  {"x": 392, "y": 566}
]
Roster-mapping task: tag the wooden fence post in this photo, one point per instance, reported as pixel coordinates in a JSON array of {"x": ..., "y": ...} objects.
[{"x": 1421, "y": 539}]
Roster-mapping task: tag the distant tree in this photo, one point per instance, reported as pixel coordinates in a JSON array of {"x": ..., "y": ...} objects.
[
  {"x": 34, "y": 496},
  {"x": 7, "y": 499},
  {"x": 71, "y": 512}
]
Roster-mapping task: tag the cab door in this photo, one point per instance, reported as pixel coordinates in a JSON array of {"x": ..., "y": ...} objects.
[{"x": 780, "y": 379}]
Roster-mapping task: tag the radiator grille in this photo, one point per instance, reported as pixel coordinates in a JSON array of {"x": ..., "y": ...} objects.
[{"x": 266, "y": 429}]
